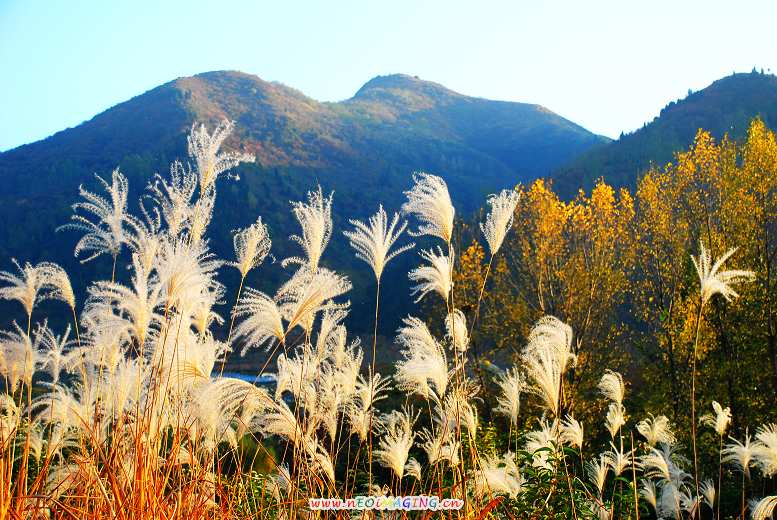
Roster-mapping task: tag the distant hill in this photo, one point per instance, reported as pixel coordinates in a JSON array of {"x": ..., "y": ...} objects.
[
  {"x": 726, "y": 106},
  {"x": 364, "y": 148}
]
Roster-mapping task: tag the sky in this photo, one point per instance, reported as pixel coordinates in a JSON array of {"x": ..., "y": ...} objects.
[{"x": 609, "y": 66}]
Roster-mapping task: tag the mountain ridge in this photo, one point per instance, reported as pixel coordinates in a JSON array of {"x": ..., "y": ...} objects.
[
  {"x": 364, "y": 149},
  {"x": 726, "y": 106}
]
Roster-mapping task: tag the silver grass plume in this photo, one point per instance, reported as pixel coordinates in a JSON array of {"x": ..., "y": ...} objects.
[
  {"x": 597, "y": 470},
  {"x": 373, "y": 240},
  {"x": 315, "y": 219},
  {"x": 714, "y": 281},
  {"x": 309, "y": 292},
  {"x": 656, "y": 430},
  {"x": 456, "y": 330},
  {"x": 511, "y": 384},
  {"x": 615, "y": 418},
  {"x": 53, "y": 357},
  {"x": 18, "y": 357},
  {"x": 435, "y": 277},
  {"x": 497, "y": 476},
  {"x": 106, "y": 233},
  {"x": 56, "y": 280},
  {"x": 262, "y": 321},
  {"x": 430, "y": 201},
  {"x": 252, "y": 245},
  {"x": 173, "y": 198},
  {"x": 719, "y": 420},
  {"x": 708, "y": 493},
  {"x": 571, "y": 432},
  {"x": 204, "y": 149},
  {"x": 765, "y": 508},
  {"x": 542, "y": 443},
  {"x": 612, "y": 387},
  {"x": 424, "y": 369},
  {"x": 499, "y": 220},
  {"x": 739, "y": 454},
  {"x": 546, "y": 357},
  {"x": 396, "y": 440},
  {"x": 25, "y": 287},
  {"x": 765, "y": 449}
]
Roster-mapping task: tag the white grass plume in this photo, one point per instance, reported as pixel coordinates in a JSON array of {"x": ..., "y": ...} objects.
[
  {"x": 546, "y": 357},
  {"x": 511, "y": 384},
  {"x": 105, "y": 234},
  {"x": 252, "y": 245},
  {"x": 430, "y": 201},
  {"x": 739, "y": 454},
  {"x": 714, "y": 281},
  {"x": 612, "y": 387},
  {"x": 396, "y": 439},
  {"x": 499, "y": 220},
  {"x": 24, "y": 287},
  {"x": 571, "y": 432},
  {"x": 435, "y": 277},
  {"x": 456, "y": 330},
  {"x": 765, "y": 449},
  {"x": 719, "y": 420},
  {"x": 373, "y": 240},
  {"x": 424, "y": 369},
  {"x": 204, "y": 149},
  {"x": 315, "y": 219},
  {"x": 656, "y": 430}
]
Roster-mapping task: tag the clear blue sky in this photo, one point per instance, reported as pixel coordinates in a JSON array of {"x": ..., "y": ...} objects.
[{"x": 608, "y": 65}]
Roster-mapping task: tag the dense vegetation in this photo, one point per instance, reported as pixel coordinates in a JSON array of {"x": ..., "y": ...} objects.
[
  {"x": 364, "y": 149},
  {"x": 725, "y": 107},
  {"x": 571, "y": 363}
]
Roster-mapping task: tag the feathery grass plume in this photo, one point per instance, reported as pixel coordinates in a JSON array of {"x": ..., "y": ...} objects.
[
  {"x": 25, "y": 287},
  {"x": 126, "y": 309},
  {"x": 396, "y": 439},
  {"x": 413, "y": 469},
  {"x": 708, "y": 493},
  {"x": 174, "y": 198},
  {"x": 106, "y": 233},
  {"x": 612, "y": 387},
  {"x": 571, "y": 432},
  {"x": 615, "y": 418},
  {"x": 201, "y": 215},
  {"x": 263, "y": 322},
  {"x": 689, "y": 503},
  {"x": 541, "y": 444},
  {"x": 648, "y": 492},
  {"x": 309, "y": 292},
  {"x": 740, "y": 454},
  {"x": 18, "y": 357},
  {"x": 9, "y": 418},
  {"x": 764, "y": 509},
  {"x": 457, "y": 409},
  {"x": 436, "y": 277},
  {"x": 720, "y": 420},
  {"x": 430, "y": 201},
  {"x": 456, "y": 330},
  {"x": 53, "y": 356},
  {"x": 185, "y": 270},
  {"x": 618, "y": 459},
  {"x": 597, "y": 470},
  {"x": 546, "y": 357},
  {"x": 497, "y": 476},
  {"x": 511, "y": 384},
  {"x": 373, "y": 240},
  {"x": 57, "y": 283},
  {"x": 424, "y": 369},
  {"x": 665, "y": 464},
  {"x": 252, "y": 245},
  {"x": 500, "y": 219},
  {"x": 714, "y": 281},
  {"x": 204, "y": 149},
  {"x": 765, "y": 449},
  {"x": 656, "y": 430},
  {"x": 440, "y": 445},
  {"x": 361, "y": 409},
  {"x": 315, "y": 219}
]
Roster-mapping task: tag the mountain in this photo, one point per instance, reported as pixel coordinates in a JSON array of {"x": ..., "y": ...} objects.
[
  {"x": 364, "y": 148},
  {"x": 724, "y": 107}
]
